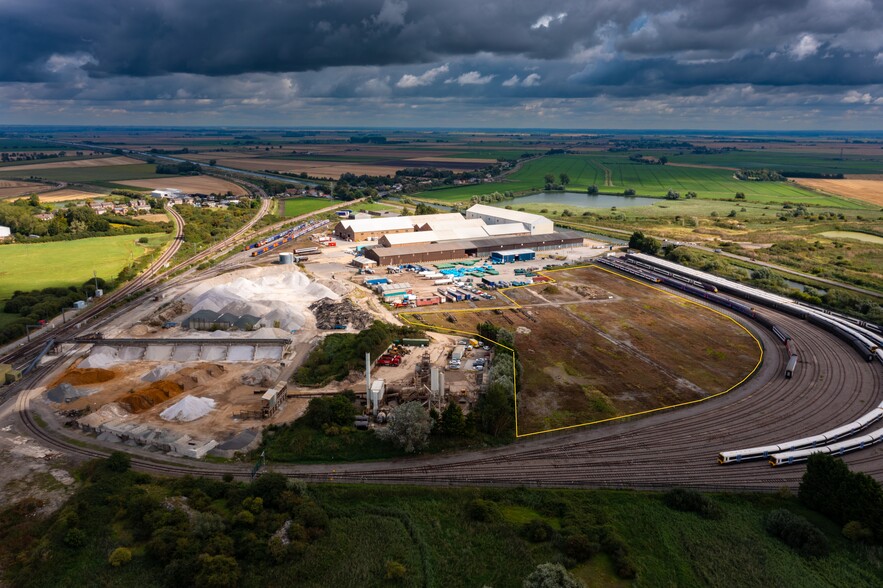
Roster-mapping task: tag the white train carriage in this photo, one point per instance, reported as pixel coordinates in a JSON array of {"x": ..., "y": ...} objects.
[
  {"x": 841, "y": 448},
  {"x": 815, "y": 441}
]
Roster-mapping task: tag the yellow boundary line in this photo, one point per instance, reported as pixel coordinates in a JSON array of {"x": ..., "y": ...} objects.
[{"x": 408, "y": 317}]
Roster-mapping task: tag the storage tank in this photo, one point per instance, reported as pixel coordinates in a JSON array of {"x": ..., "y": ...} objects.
[{"x": 286, "y": 258}]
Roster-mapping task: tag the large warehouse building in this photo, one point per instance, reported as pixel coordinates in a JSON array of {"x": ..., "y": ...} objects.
[
  {"x": 462, "y": 249},
  {"x": 491, "y": 215},
  {"x": 365, "y": 229}
]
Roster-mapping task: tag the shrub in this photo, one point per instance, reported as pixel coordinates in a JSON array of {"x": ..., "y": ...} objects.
[
  {"x": 120, "y": 556},
  {"x": 395, "y": 571},
  {"x": 537, "y": 531},
  {"x": 855, "y": 531},
  {"x": 483, "y": 511},
  {"x": 579, "y": 547},
  {"x": 119, "y": 462},
  {"x": 75, "y": 538},
  {"x": 692, "y": 501},
  {"x": 797, "y": 532}
]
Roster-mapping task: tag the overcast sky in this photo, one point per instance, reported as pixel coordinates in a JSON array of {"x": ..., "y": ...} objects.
[{"x": 704, "y": 64}]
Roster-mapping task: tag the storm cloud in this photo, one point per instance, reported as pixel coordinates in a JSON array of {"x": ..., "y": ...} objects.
[{"x": 539, "y": 63}]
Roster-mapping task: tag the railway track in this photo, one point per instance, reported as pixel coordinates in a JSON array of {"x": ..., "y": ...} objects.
[
  {"x": 669, "y": 448},
  {"x": 29, "y": 349}
]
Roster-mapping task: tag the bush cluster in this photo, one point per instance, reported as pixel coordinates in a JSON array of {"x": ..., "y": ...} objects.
[
  {"x": 797, "y": 532},
  {"x": 692, "y": 501}
]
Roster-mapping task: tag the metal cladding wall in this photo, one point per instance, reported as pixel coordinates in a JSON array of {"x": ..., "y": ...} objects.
[
  {"x": 399, "y": 255},
  {"x": 475, "y": 247}
]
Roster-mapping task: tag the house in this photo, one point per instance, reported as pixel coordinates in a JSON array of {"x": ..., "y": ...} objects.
[
  {"x": 5, "y": 232},
  {"x": 45, "y": 216}
]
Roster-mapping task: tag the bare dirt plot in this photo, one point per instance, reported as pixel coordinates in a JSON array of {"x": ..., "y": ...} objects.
[
  {"x": 866, "y": 190},
  {"x": 97, "y": 162},
  {"x": 194, "y": 184},
  {"x": 10, "y": 189},
  {"x": 623, "y": 349}
]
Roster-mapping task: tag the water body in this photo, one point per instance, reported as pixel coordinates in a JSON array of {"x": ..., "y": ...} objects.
[
  {"x": 581, "y": 199},
  {"x": 854, "y": 235},
  {"x": 803, "y": 287}
]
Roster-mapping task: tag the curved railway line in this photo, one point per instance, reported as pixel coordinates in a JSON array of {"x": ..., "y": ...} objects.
[{"x": 669, "y": 448}]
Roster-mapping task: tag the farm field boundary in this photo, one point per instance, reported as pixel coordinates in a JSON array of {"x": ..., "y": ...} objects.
[{"x": 411, "y": 318}]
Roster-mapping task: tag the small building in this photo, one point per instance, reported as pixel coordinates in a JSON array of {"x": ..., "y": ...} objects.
[
  {"x": 167, "y": 193},
  {"x": 5, "y": 232},
  {"x": 226, "y": 321},
  {"x": 371, "y": 228},
  {"x": 362, "y": 262},
  {"x": 512, "y": 255}
]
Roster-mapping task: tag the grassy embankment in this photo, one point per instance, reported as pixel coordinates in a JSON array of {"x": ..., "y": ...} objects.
[{"x": 348, "y": 535}]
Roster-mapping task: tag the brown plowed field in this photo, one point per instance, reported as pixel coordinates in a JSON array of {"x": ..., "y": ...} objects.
[
  {"x": 600, "y": 346},
  {"x": 866, "y": 190},
  {"x": 192, "y": 184}
]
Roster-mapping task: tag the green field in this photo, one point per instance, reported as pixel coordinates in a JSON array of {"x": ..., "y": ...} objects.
[
  {"x": 782, "y": 161},
  {"x": 299, "y": 206},
  {"x": 613, "y": 173},
  {"x": 67, "y": 263},
  {"x": 17, "y": 144},
  {"x": 106, "y": 173}
]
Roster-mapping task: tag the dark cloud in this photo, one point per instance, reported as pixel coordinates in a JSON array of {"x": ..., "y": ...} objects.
[{"x": 506, "y": 57}]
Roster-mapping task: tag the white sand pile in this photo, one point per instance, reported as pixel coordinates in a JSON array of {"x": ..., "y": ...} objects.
[
  {"x": 101, "y": 357},
  {"x": 188, "y": 409},
  {"x": 273, "y": 294},
  {"x": 160, "y": 372}
]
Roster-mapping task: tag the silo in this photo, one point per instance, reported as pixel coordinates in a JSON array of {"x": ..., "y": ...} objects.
[{"x": 286, "y": 258}]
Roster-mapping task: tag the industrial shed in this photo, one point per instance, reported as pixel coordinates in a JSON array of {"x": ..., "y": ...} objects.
[
  {"x": 372, "y": 228},
  {"x": 559, "y": 240},
  {"x": 418, "y": 253},
  {"x": 492, "y": 215},
  {"x": 512, "y": 255},
  {"x": 448, "y": 250}
]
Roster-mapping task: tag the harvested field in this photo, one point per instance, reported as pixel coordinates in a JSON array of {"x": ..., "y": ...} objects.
[
  {"x": 11, "y": 188},
  {"x": 96, "y": 162},
  {"x": 153, "y": 218},
  {"x": 68, "y": 194},
  {"x": 866, "y": 190},
  {"x": 192, "y": 184},
  {"x": 598, "y": 346}
]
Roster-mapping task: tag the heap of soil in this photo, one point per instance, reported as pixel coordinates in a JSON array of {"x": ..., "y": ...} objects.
[
  {"x": 82, "y": 376},
  {"x": 149, "y": 396}
]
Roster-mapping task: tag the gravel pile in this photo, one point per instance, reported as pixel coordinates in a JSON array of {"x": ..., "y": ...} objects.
[
  {"x": 188, "y": 409},
  {"x": 330, "y": 313},
  {"x": 274, "y": 294}
]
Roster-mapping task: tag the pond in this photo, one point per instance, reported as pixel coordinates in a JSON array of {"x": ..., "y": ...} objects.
[
  {"x": 854, "y": 235},
  {"x": 582, "y": 199}
]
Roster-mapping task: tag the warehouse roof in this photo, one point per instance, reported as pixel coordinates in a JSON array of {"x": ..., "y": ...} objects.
[
  {"x": 366, "y": 225},
  {"x": 451, "y": 223},
  {"x": 513, "y": 215},
  {"x": 504, "y": 229}
]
